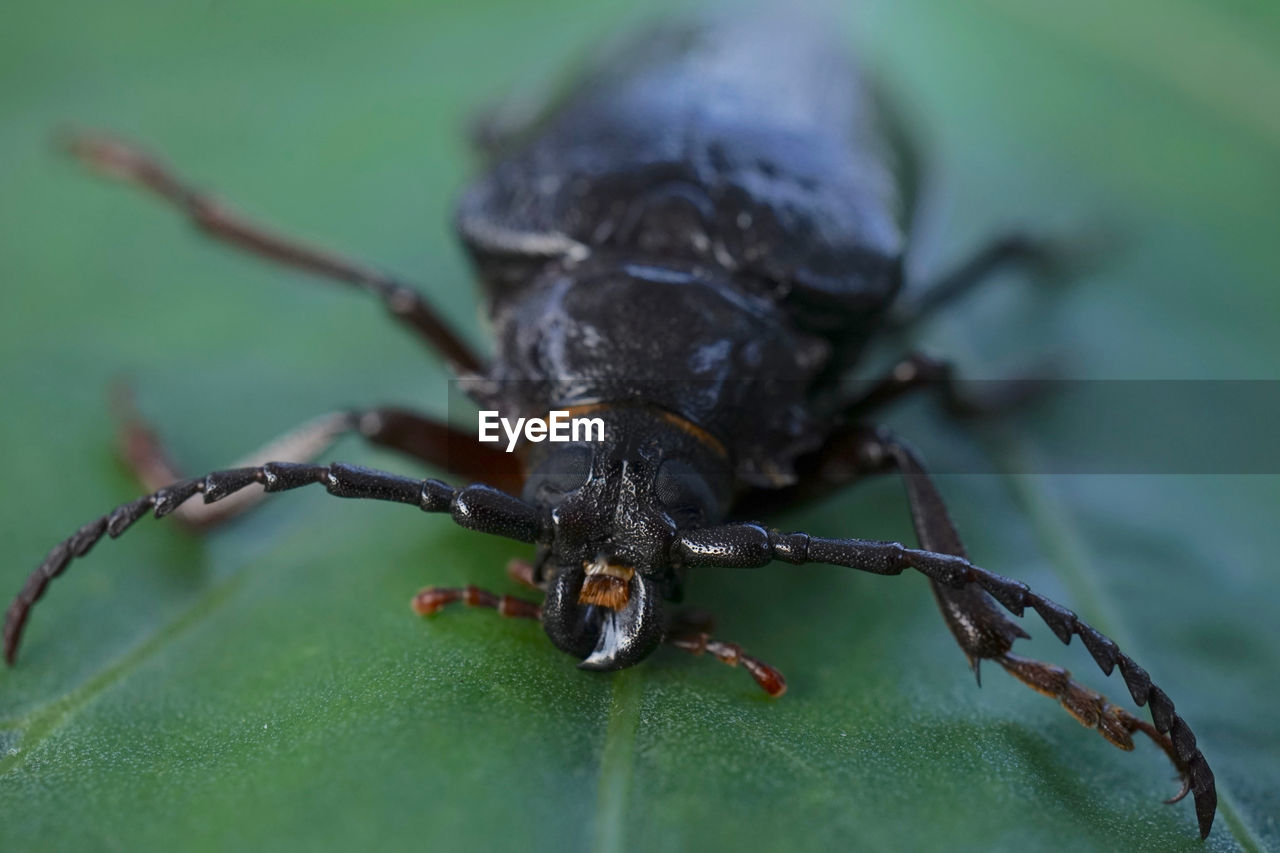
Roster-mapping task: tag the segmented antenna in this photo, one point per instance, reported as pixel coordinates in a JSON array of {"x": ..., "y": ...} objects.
[{"x": 476, "y": 507}]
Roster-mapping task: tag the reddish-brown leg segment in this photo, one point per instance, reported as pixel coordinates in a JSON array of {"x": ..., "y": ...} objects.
[
  {"x": 769, "y": 679},
  {"x": 129, "y": 163},
  {"x": 144, "y": 452},
  {"x": 522, "y": 572},
  {"x": 1091, "y": 708},
  {"x": 434, "y": 598},
  {"x": 424, "y": 439}
]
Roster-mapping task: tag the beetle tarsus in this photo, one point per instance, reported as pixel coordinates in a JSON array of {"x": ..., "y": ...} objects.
[
  {"x": 1185, "y": 779},
  {"x": 1092, "y": 710},
  {"x": 770, "y": 679},
  {"x": 433, "y": 599}
]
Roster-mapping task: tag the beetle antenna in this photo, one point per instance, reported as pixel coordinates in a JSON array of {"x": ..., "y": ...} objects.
[
  {"x": 751, "y": 546},
  {"x": 476, "y": 507}
]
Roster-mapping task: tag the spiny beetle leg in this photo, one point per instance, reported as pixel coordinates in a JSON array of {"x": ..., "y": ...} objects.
[
  {"x": 983, "y": 632},
  {"x": 1092, "y": 709},
  {"x": 967, "y": 595}
]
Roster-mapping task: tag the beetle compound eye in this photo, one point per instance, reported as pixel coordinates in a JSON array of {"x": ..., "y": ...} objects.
[
  {"x": 683, "y": 492},
  {"x": 563, "y": 471}
]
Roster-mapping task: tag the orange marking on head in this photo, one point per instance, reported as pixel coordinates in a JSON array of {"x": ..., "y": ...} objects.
[
  {"x": 606, "y": 585},
  {"x": 604, "y": 591}
]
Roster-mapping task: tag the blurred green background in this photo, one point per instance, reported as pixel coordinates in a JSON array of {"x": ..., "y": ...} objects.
[{"x": 268, "y": 688}]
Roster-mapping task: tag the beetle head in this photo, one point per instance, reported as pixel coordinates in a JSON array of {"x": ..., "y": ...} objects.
[{"x": 615, "y": 508}]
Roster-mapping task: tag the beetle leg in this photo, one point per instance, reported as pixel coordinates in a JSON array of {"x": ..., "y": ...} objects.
[
  {"x": 981, "y": 628},
  {"x": 122, "y": 160},
  {"x": 1091, "y": 709},
  {"x": 148, "y": 458},
  {"x": 769, "y": 679},
  {"x": 430, "y": 441},
  {"x": 919, "y": 371},
  {"x": 433, "y": 598},
  {"x": 1047, "y": 258},
  {"x": 441, "y": 446},
  {"x": 965, "y": 595},
  {"x": 522, "y": 572}
]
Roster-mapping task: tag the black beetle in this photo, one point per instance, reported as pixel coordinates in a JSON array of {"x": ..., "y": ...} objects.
[{"x": 694, "y": 246}]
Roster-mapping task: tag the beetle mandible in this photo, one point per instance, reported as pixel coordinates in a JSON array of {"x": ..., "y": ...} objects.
[{"x": 694, "y": 245}]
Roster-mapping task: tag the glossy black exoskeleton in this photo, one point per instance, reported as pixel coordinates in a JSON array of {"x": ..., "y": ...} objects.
[{"x": 694, "y": 245}]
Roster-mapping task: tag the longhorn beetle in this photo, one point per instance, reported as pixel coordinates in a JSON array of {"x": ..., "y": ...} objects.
[{"x": 694, "y": 245}]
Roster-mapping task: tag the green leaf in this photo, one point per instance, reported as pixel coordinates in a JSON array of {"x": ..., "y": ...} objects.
[{"x": 268, "y": 687}]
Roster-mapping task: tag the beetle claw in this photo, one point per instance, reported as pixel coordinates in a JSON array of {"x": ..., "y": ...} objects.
[{"x": 1186, "y": 789}]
